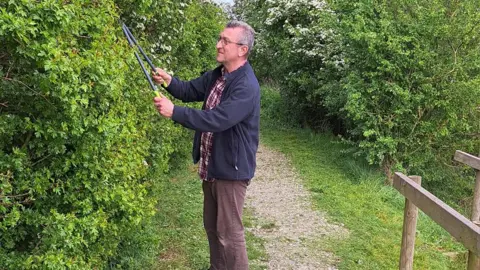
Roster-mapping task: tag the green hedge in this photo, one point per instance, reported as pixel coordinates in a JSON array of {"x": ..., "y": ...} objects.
[{"x": 81, "y": 145}]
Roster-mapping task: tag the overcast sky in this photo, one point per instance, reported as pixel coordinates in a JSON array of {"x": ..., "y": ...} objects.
[{"x": 224, "y": 1}]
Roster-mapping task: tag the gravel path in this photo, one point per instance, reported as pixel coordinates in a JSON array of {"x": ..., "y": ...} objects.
[{"x": 292, "y": 230}]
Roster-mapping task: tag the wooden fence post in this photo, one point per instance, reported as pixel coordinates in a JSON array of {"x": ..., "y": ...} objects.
[
  {"x": 409, "y": 231},
  {"x": 474, "y": 261},
  {"x": 474, "y": 162}
]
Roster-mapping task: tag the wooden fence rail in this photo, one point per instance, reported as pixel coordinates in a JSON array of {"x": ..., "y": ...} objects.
[{"x": 465, "y": 231}]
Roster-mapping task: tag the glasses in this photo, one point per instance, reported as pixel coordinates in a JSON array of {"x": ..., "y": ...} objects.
[{"x": 224, "y": 41}]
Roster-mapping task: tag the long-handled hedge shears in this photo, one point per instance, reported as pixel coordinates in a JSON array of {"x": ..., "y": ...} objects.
[{"x": 133, "y": 43}]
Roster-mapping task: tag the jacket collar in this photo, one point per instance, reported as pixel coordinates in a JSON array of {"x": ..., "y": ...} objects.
[{"x": 232, "y": 75}]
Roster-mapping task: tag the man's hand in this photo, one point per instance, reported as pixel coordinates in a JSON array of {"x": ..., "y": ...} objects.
[
  {"x": 164, "y": 106},
  {"x": 161, "y": 76}
]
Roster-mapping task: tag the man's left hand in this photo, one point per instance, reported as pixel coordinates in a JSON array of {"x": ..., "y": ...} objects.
[{"x": 164, "y": 106}]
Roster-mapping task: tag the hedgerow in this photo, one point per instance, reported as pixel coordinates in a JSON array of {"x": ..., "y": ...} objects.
[{"x": 81, "y": 145}]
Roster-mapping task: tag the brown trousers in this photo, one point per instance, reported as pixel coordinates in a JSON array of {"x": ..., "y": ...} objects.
[{"x": 222, "y": 218}]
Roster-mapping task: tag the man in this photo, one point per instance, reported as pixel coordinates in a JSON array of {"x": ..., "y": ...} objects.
[{"x": 226, "y": 139}]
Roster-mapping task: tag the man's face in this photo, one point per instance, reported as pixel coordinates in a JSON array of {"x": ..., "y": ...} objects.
[{"x": 228, "y": 49}]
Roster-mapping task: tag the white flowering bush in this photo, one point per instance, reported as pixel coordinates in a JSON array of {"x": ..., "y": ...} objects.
[{"x": 399, "y": 80}]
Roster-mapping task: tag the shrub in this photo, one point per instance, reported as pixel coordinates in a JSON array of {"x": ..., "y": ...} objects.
[
  {"x": 81, "y": 145},
  {"x": 402, "y": 78}
]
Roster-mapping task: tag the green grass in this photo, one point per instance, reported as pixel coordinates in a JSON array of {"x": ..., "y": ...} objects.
[
  {"x": 183, "y": 242},
  {"x": 353, "y": 193}
]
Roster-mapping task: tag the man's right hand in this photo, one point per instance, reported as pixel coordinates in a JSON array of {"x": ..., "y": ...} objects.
[{"x": 161, "y": 76}]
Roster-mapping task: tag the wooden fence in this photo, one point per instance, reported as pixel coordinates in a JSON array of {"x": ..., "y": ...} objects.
[{"x": 464, "y": 230}]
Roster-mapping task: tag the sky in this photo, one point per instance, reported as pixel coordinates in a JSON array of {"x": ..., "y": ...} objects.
[{"x": 224, "y": 1}]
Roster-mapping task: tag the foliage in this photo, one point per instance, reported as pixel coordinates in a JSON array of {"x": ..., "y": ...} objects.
[
  {"x": 81, "y": 147},
  {"x": 182, "y": 34},
  {"x": 197, "y": 50},
  {"x": 399, "y": 80}
]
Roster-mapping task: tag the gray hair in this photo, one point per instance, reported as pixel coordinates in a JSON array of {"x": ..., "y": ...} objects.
[{"x": 248, "y": 35}]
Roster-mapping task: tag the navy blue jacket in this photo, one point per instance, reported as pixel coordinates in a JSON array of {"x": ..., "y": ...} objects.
[{"x": 234, "y": 121}]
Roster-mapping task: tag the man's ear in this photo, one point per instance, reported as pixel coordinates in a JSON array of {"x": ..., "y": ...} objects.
[{"x": 243, "y": 51}]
